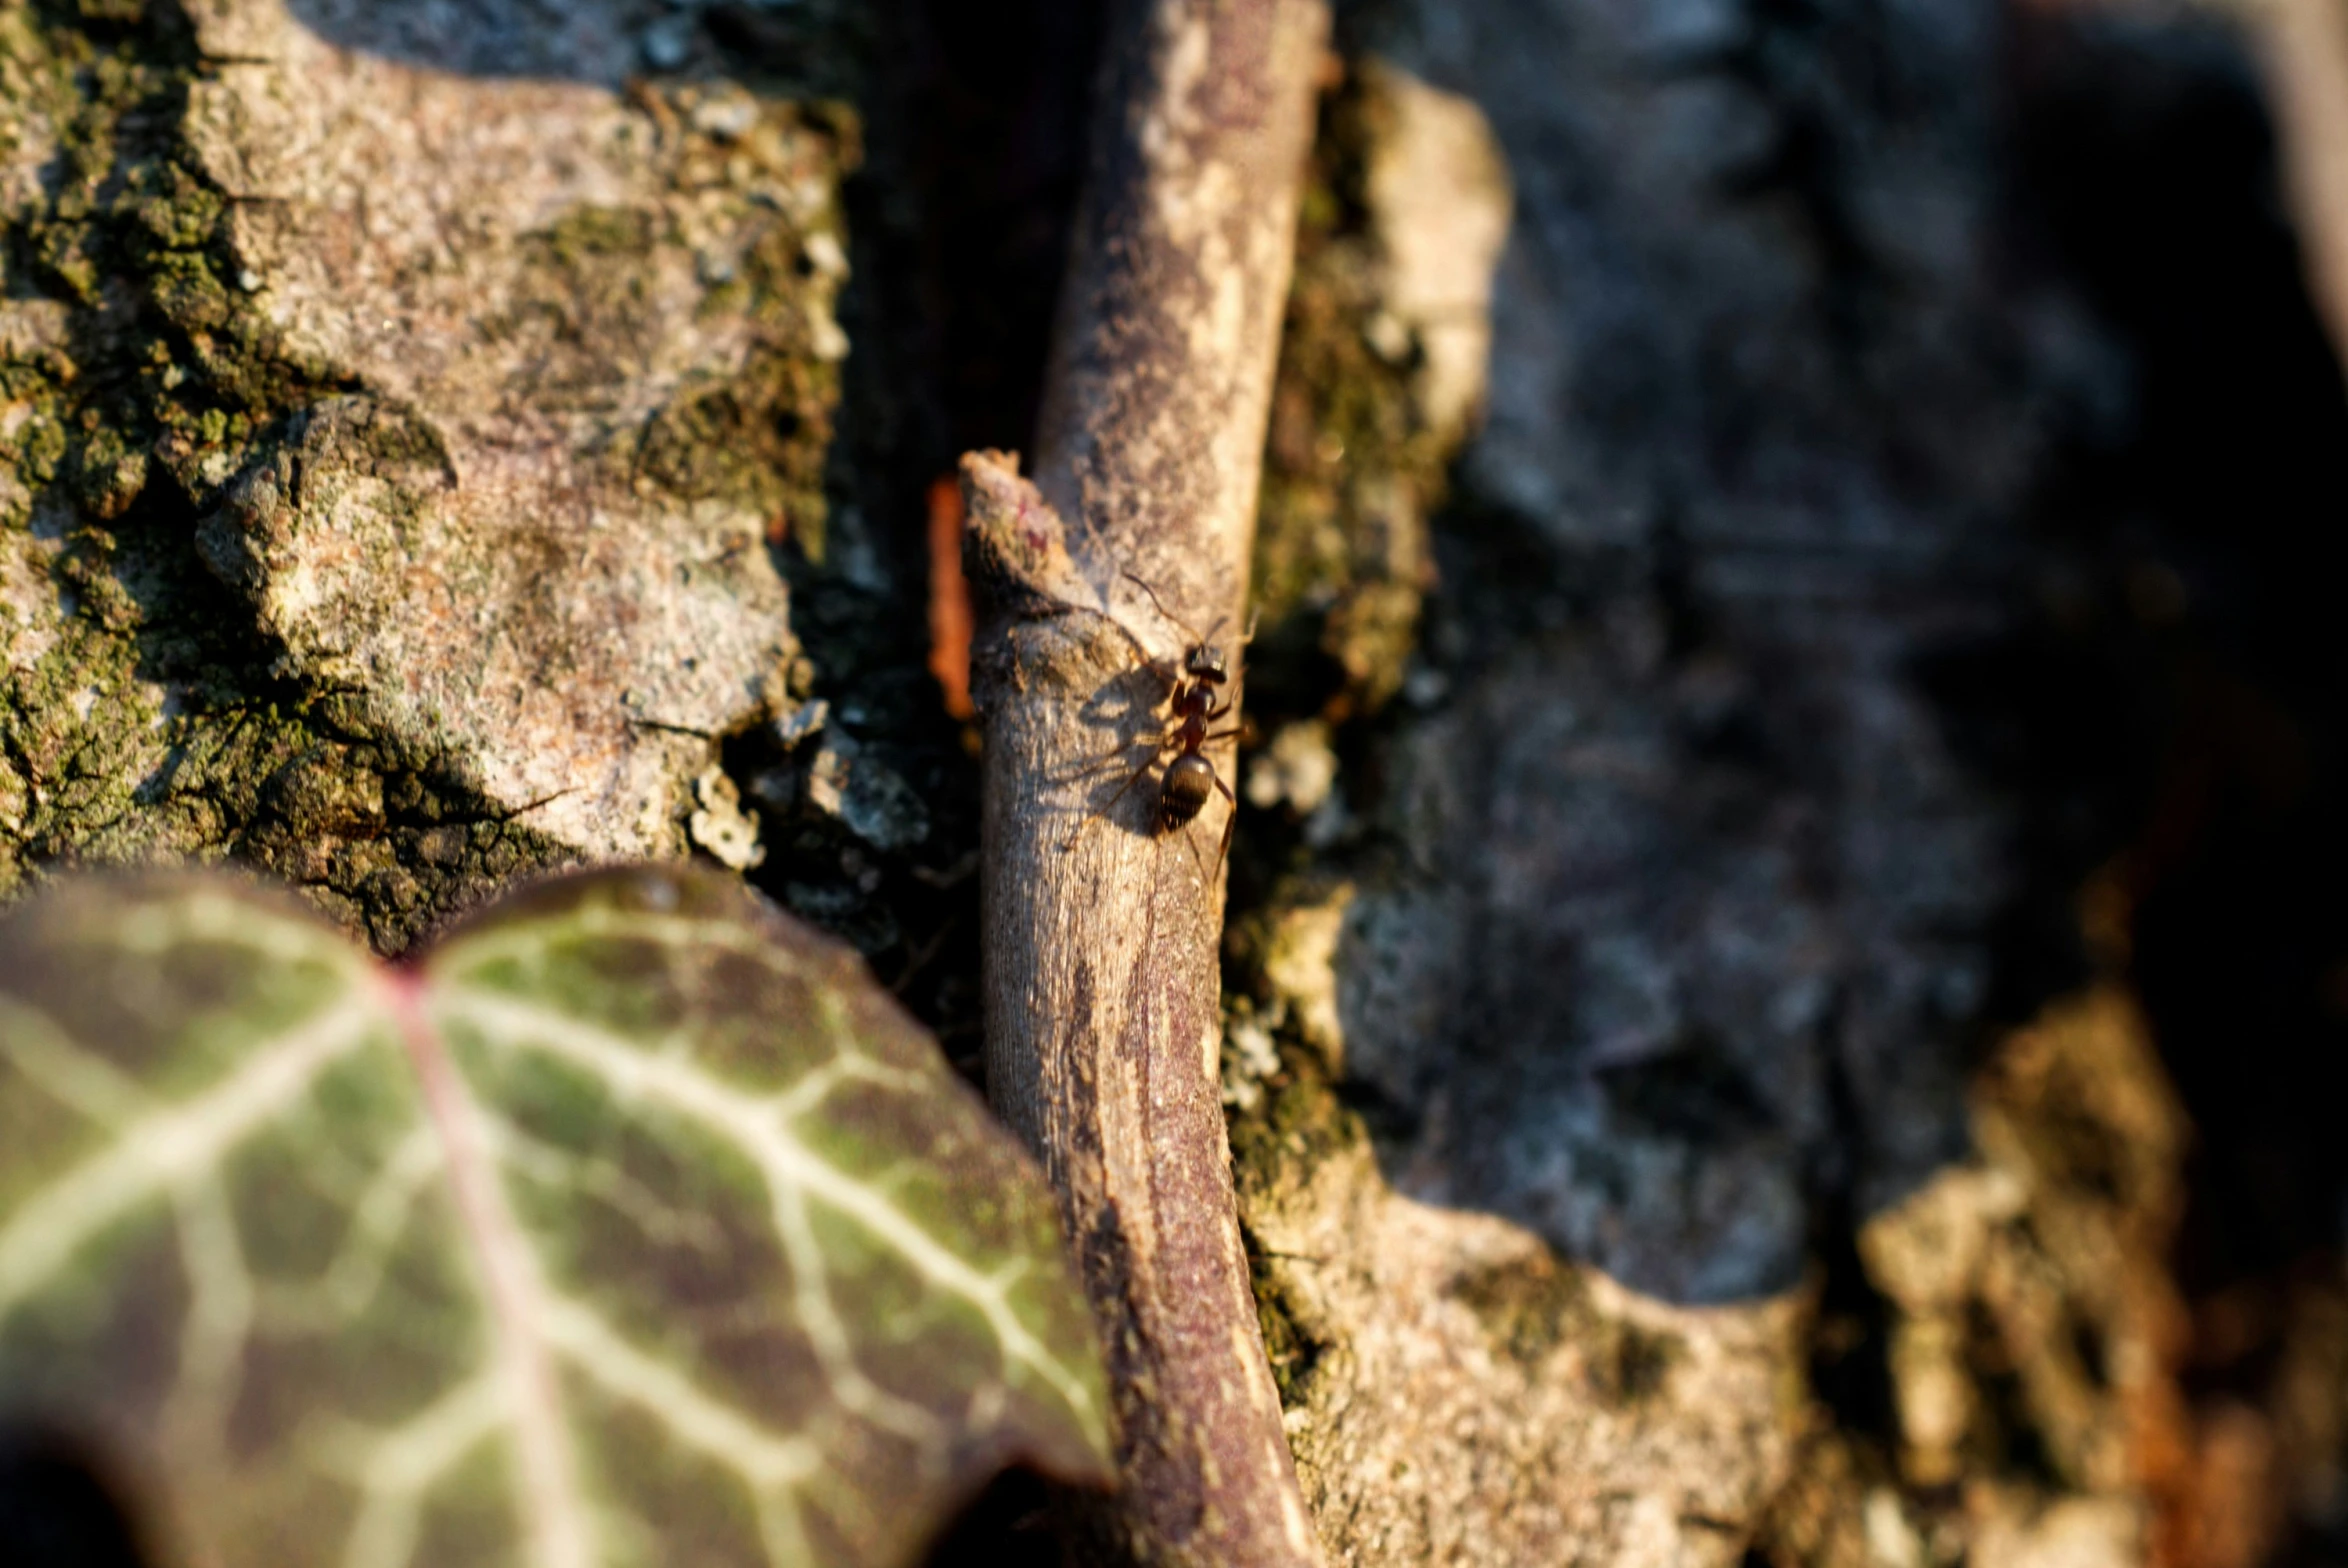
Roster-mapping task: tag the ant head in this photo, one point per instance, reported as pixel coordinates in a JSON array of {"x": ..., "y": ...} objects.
[{"x": 1205, "y": 662}]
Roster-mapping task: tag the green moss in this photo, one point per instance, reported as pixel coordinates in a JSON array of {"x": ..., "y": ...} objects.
[
  {"x": 1301, "y": 1125},
  {"x": 141, "y": 718},
  {"x": 1350, "y": 470},
  {"x": 76, "y": 731},
  {"x": 179, "y": 211},
  {"x": 756, "y": 440},
  {"x": 760, "y": 437},
  {"x": 590, "y": 231},
  {"x": 1291, "y": 1347},
  {"x": 1531, "y": 1306},
  {"x": 1525, "y": 1307},
  {"x": 33, "y": 437},
  {"x": 111, "y": 473}
]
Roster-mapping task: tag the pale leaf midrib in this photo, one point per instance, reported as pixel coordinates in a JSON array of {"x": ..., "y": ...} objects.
[
  {"x": 554, "y": 1517},
  {"x": 174, "y": 1153}
]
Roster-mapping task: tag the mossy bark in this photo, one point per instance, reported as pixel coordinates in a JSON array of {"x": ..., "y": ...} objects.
[
  {"x": 385, "y": 506},
  {"x": 1679, "y": 1113},
  {"x": 392, "y": 460}
]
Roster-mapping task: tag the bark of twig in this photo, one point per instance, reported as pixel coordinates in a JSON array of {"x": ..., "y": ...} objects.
[
  {"x": 1102, "y": 937},
  {"x": 2303, "y": 48}
]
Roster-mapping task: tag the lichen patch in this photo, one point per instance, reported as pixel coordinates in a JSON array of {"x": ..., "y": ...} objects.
[
  {"x": 539, "y": 535},
  {"x": 376, "y": 432}
]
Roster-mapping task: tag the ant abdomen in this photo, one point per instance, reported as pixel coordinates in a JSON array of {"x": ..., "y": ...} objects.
[{"x": 1190, "y": 781}]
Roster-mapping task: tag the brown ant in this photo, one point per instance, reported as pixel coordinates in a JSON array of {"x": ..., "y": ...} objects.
[{"x": 1194, "y": 684}]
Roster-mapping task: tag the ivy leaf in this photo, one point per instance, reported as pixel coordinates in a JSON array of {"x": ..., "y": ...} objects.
[{"x": 632, "y": 1225}]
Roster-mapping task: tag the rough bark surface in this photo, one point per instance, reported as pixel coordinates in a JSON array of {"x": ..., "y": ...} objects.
[
  {"x": 1639, "y": 1156},
  {"x": 396, "y": 451},
  {"x": 1678, "y": 1118},
  {"x": 1102, "y": 936}
]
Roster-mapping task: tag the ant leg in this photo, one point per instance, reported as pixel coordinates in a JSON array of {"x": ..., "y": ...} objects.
[
  {"x": 1230, "y": 820},
  {"x": 1091, "y": 817},
  {"x": 1109, "y": 759},
  {"x": 1231, "y": 699},
  {"x": 1104, "y": 762}
]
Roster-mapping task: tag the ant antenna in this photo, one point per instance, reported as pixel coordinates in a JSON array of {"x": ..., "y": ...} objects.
[
  {"x": 1254, "y": 614},
  {"x": 1187, "y": 629}
]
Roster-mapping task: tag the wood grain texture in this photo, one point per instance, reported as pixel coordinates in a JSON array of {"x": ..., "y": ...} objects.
[{"x": 1101, "y": 939}]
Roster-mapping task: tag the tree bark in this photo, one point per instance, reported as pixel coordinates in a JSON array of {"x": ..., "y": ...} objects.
[{"x": 1101, "y": 935}]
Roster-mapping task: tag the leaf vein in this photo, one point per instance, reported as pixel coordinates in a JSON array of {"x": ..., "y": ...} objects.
[
  {"x": 751, "y": 1125},
  {"x": 167, "y": 1145}
]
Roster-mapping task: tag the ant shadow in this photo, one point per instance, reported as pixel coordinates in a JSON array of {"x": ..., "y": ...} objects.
[{"x": 1126, "y": 713}]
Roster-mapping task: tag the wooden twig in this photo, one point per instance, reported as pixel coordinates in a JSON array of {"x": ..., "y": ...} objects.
[
  {"x": 2303, "y": 49},
  {"x": 1101, "y": 938}
]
